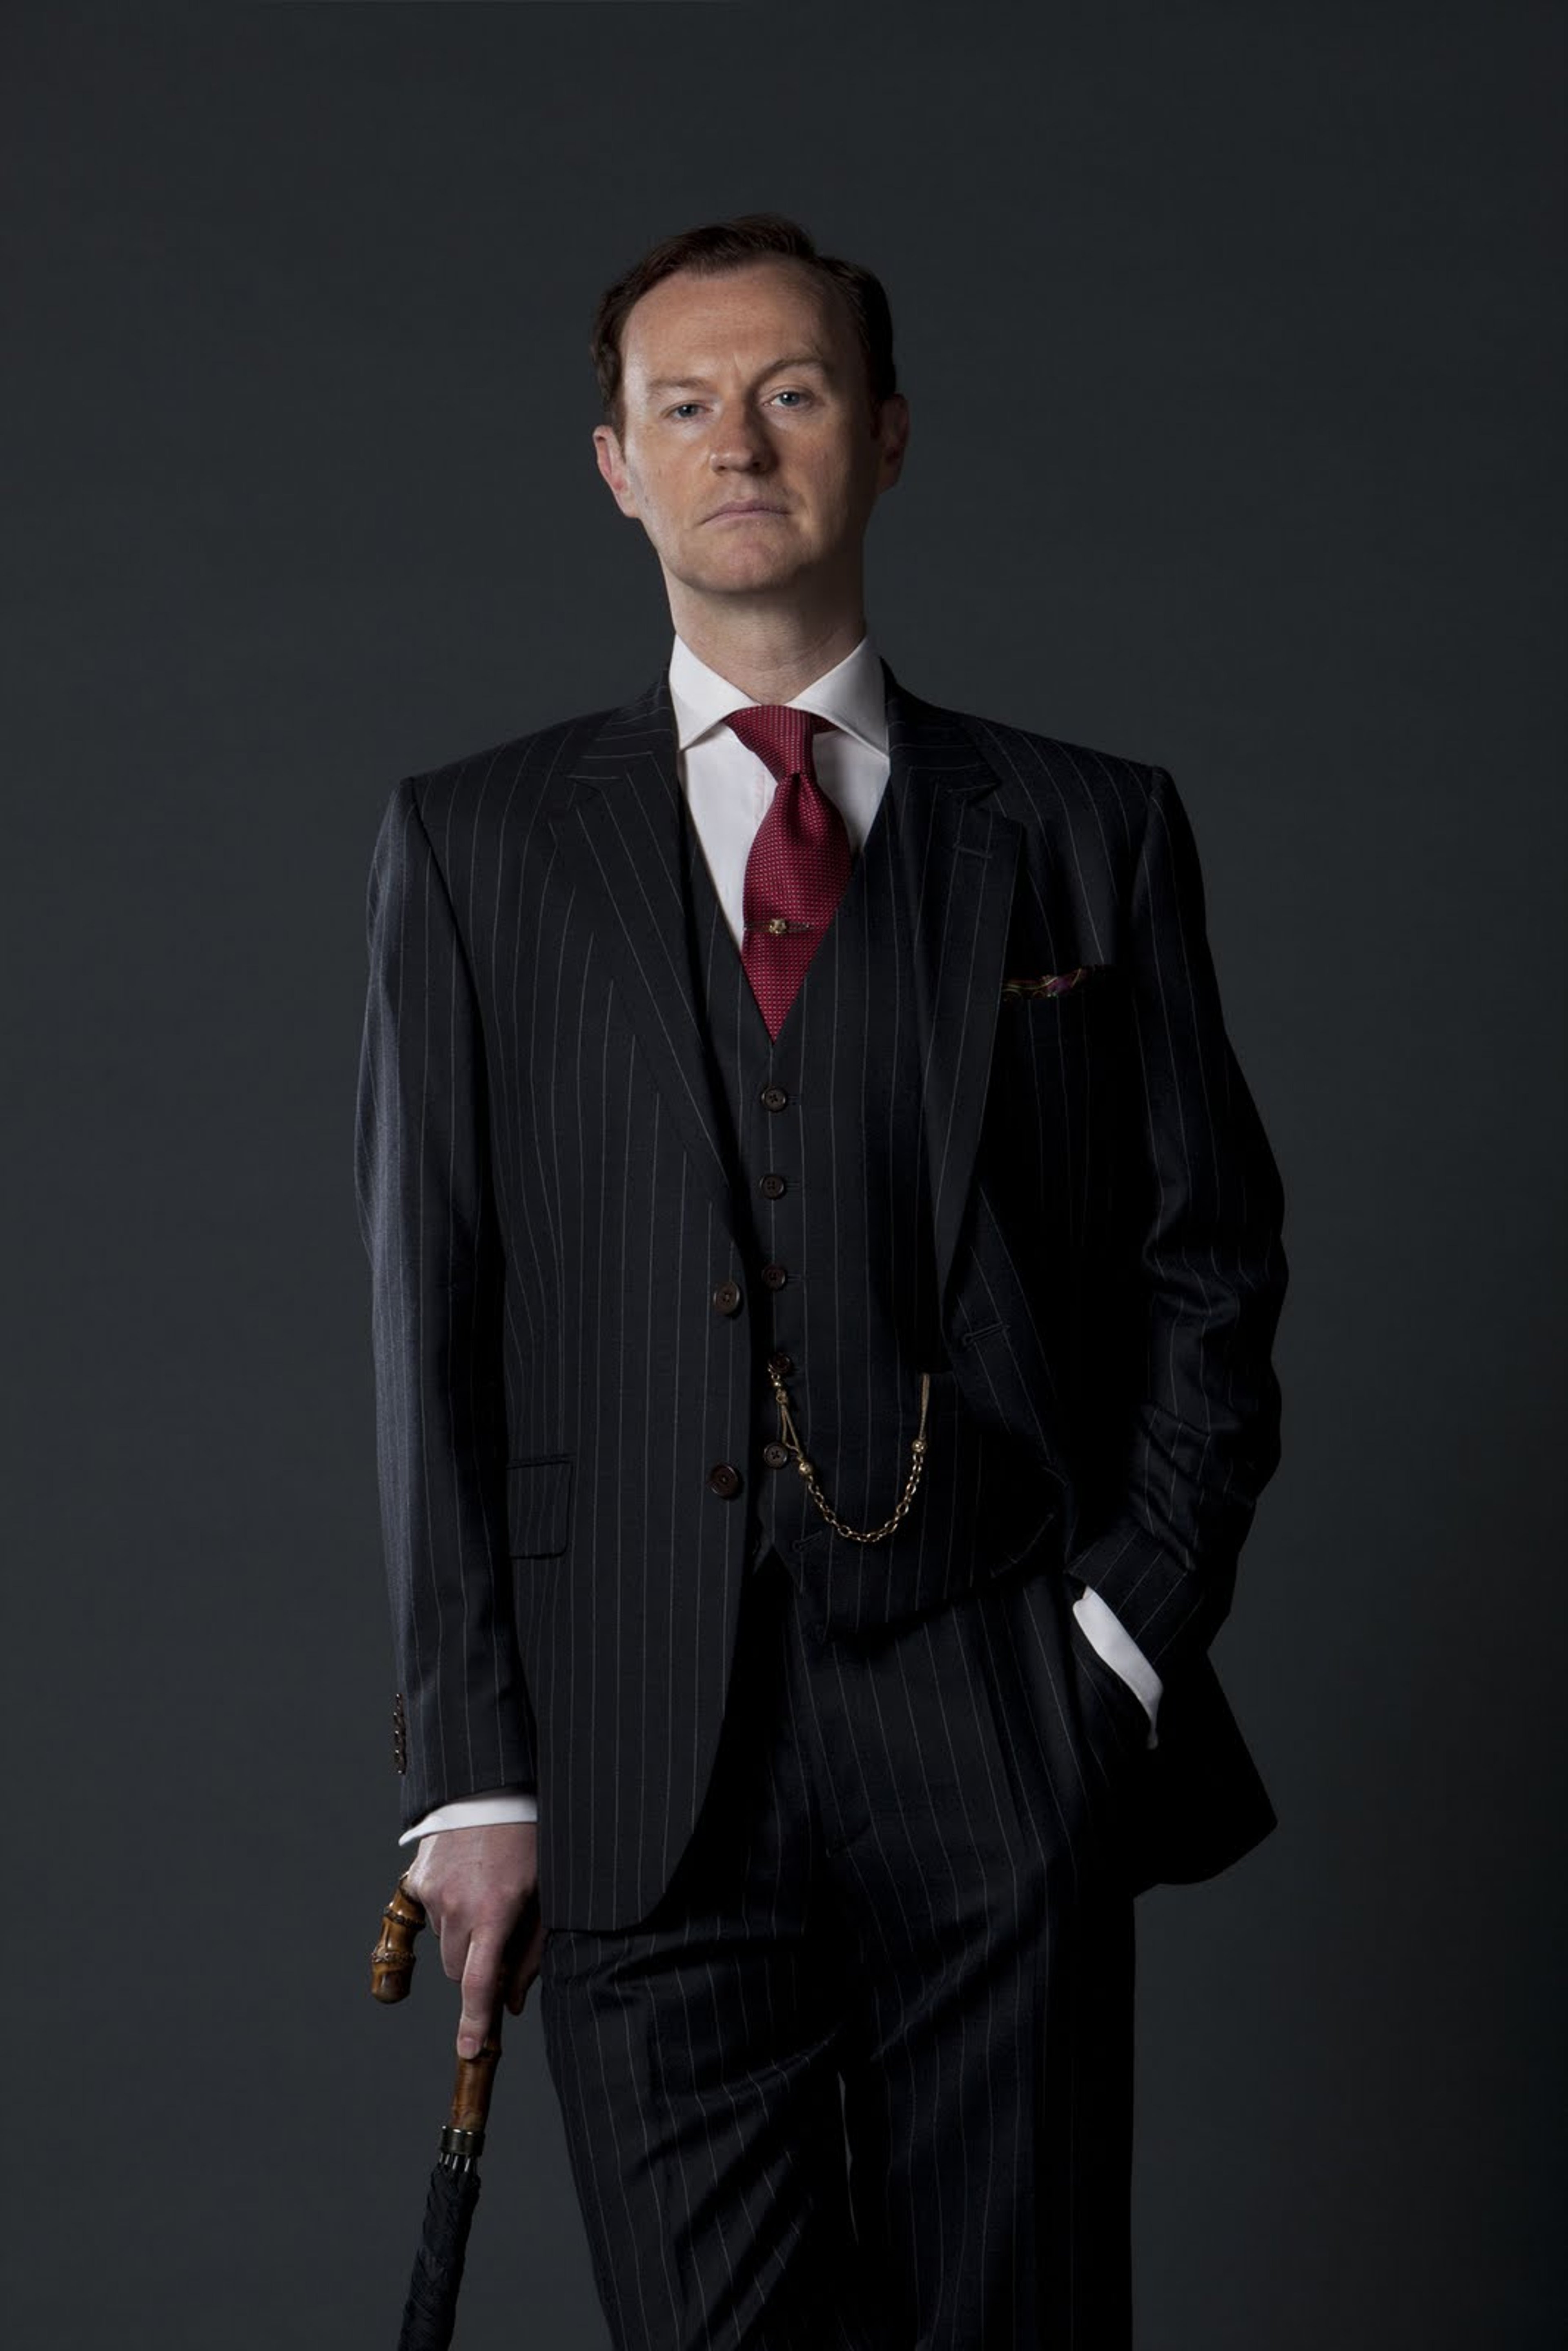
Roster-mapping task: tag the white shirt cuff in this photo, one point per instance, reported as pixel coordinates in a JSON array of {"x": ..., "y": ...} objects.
[
  {"x": 1105, "y": 1632},
  {"x": 490, "y": 1806}
]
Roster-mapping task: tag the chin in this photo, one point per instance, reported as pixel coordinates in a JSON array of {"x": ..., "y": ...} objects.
[{"x": 739, "y": 577}]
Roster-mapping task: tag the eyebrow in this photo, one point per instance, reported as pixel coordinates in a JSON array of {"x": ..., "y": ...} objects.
[{"x": 700, "y": 383}]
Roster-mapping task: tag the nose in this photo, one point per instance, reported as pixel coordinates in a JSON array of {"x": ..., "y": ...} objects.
[{"x": 740, "y": 444}]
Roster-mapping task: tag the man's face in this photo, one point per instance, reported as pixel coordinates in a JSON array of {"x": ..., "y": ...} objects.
[{"x": 751, "y": 388}]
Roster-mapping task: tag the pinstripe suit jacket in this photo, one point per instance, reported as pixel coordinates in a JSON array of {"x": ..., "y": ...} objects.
[{"x": 544, "y": 1199}]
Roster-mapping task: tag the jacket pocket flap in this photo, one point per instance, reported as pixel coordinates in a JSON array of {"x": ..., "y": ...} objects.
[{"x": 539, "y": 1492}]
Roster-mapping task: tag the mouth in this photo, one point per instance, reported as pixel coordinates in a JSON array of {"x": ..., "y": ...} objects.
[{"x": 721, "y": 514}]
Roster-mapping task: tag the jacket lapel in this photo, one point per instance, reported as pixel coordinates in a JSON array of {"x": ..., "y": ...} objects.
[
  {"x": 958, "y": 856},
  {"x": 617, "y": 821},
  {"x": 616, "y": 818}
]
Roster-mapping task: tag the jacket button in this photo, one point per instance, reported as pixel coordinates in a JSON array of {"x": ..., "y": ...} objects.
[
  {"x": 775, "y": 1453},
  {"x": 726, "y": 1297},
  {"x": 774, "y": 1097},
  {"x": 775, "y": 1275},
  {"x": 725, "y": 1479},
  {"x": 780, "y": 1362},
  {"x": 770, "y": 1186}
]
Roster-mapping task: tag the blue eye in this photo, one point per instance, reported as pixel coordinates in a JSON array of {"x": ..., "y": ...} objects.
[{"x": 791, "y": 393}]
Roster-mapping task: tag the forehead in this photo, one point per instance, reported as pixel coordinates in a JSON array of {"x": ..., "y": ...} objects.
[{"x": 693, "y": 322}]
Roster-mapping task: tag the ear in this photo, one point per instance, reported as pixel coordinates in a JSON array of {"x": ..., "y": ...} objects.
[
  {"x": 893, "y": 427},
  {"x": 611, "y": 464}
]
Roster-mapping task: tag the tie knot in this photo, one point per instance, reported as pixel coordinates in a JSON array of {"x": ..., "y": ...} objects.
[{"x": 779, "y": 734}]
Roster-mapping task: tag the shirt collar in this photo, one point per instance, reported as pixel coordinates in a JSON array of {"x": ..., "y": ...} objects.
[{"x": 853, "y": 694}]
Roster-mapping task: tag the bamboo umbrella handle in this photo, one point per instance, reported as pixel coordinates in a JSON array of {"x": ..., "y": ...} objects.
[
  {"x": 391, "y": 1961},
  {"x": 391, "y": 1966},
  {"x": 463, "y": 2136}
]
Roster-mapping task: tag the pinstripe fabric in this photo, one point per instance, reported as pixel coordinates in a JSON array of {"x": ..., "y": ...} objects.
[
  {"x": 865, "y": 1894},
  {"x": 905, "y": 1879},
  {"x": 827, "y": 1116},
  {"x": 547, "y": 1201}
]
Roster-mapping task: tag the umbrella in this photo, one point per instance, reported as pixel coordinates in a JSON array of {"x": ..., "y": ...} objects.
[{"x": 429, "y": 2313}]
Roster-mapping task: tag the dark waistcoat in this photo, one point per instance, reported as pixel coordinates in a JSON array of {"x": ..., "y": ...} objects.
[{"x": 824, "y": 1136}]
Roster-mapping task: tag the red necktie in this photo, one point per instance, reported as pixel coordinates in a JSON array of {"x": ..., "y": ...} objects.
[{"x": 799, "y": 861}]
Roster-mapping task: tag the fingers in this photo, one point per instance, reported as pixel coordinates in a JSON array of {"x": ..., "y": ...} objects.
[
  {"x": 456, "y": 1937},
  {"x": 481, "y": 1979},
  {"x": 488, "y": 1969},
  {"x": 523, "y": 1965},
  {"x": 480, "y": 1890}
]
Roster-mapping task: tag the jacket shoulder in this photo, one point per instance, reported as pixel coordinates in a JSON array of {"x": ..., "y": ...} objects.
[
  {"x": 1062, "y": 778},
  {"x": 498, "y": 773}
]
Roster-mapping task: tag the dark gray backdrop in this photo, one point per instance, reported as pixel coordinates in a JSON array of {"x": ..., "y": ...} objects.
[{"x": 1231, "y": 336}]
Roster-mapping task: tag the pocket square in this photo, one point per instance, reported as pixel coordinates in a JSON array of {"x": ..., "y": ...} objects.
[{"x": 1048, "y": 983}]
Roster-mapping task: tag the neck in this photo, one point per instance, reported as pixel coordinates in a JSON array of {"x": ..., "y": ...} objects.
[{"x": 768, "y": 655}]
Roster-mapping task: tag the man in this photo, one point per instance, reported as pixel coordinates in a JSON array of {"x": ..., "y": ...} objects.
[{"x": 826, "y": 1261}]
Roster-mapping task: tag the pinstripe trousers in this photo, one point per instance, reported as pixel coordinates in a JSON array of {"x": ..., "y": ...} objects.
[{"x": 863, "y": 2078}]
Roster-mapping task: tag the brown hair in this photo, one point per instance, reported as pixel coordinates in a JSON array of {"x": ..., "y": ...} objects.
[{"x": 734, "y": 245}]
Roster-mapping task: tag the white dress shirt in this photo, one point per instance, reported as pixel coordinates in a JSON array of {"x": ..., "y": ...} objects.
[{"x": 727, "y": 792}]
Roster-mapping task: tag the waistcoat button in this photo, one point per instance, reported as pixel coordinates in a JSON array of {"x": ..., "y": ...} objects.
[
  {"x": 775, "y": 1453},
  {"x": 780, "y": 1362},
  {"x": 725, "y": 1479},
  {"x": 726, "y": 1297},
  {"x": 770, "y": 1186},
  {"x": 773, "y": 1097},
  {"x": 775, "y": 1275}
]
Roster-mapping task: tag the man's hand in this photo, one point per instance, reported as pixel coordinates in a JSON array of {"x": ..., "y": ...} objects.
[{"x": 480, "y": 1891}]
